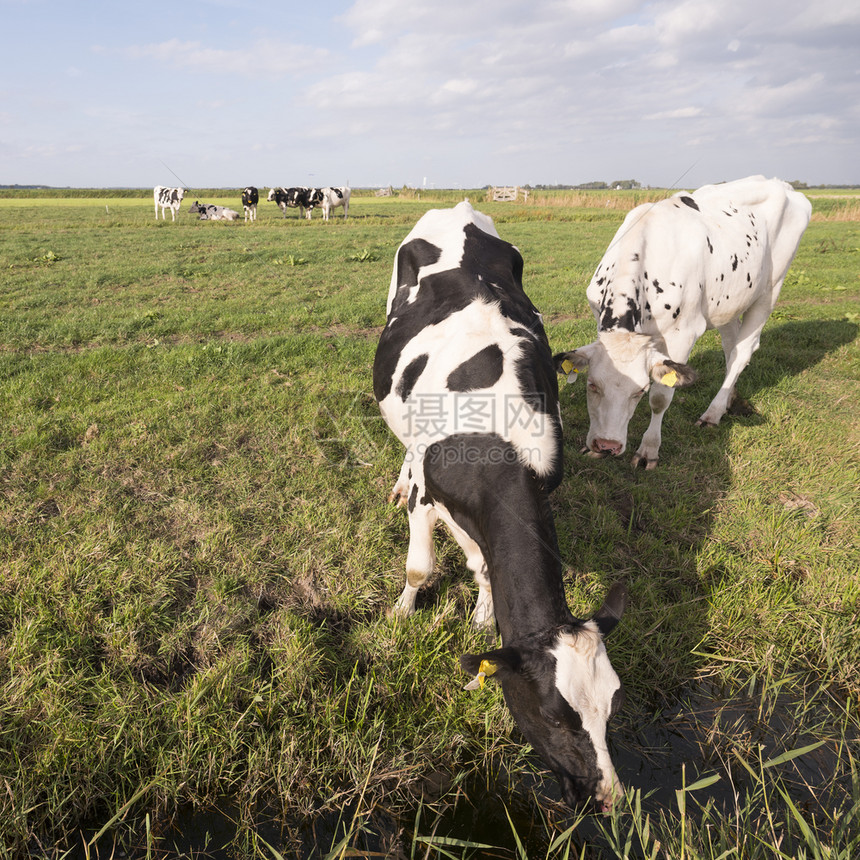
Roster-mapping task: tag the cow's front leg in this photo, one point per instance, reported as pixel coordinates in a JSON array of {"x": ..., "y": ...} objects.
[
  {"x": 484, "y": 616},
  {"x": 419, "y": 559},
  {"x": 659, "y": 400}
]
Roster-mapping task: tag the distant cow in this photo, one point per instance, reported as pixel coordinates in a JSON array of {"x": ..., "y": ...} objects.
[
  {"x": 715, "y": 258},
  {"x": 250, "y": 199},
  {"x": 334, "y": 197},
  {"x": 465, "y": 379},
  {"x": 297, "y": 197},
  {"x": 167, "y": 198},
  {"x": 211, "y": 212},
  {"x": 311, "y": 199}
]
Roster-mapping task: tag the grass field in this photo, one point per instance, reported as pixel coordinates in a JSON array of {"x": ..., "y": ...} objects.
[{"x": 197, "y": 557}]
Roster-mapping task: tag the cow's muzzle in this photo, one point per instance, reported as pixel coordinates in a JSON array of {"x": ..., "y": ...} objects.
[{"x": 605, "y": 448}]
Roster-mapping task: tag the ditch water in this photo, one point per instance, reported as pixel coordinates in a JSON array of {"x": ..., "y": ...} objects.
[{"x": 701, "y": 735}]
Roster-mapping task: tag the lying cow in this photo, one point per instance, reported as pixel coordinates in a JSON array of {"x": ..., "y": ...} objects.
[
  {"x": 334, "y": 197},
  {"x": 167, "y": 198},
  {"x": 464, "y": 377},
  {"x": 250, "y": 199},
  {"x": 211, "y": 212},
  {"x": 715, "y": 258}
]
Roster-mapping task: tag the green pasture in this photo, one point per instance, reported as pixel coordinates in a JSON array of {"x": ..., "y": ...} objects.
[{"x": 197, "y": 558}]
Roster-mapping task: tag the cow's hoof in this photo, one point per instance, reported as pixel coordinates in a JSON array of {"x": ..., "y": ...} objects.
[
  {"x": 397, "y": 497},
  {"x": 643, "y": 462},
  {"x": 400, "y": 613},
  {"x": 706, "y": 422}
]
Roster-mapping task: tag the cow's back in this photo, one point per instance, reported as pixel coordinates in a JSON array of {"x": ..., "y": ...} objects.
[
  {"x": 464, "y": 350},
  {"x": 783, "y": 211},
  {"x": 700, "y": 257}
]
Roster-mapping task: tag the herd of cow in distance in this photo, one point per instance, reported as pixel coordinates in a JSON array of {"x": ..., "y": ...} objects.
[
  {"x": 465, "y": 378},
  {"x": 301, "y": 198}
]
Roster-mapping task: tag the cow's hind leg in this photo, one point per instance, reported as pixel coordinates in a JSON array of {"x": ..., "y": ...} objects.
[{"x": 740, "y": 340}]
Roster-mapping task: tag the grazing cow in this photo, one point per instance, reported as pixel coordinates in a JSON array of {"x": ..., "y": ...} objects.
[
  {"x": 250, "y": 199},
  {"x": 167, "y": 198},
  {"x": 211, "y": 212},
  {"x": 715, "y": 258},
  {"x": 334, "y": 197},
  {"x": 465, "y": 379}
]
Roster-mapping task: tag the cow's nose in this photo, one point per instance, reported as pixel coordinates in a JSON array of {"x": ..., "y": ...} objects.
[
  {"x": 606, "y": 799},
  {"x": 607, "y": 446}
]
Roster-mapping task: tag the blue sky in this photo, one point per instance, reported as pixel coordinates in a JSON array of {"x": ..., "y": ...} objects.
[{"x": 451, "y": 93}]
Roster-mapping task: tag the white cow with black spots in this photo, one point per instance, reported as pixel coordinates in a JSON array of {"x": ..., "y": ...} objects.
[
  {"x": 465, "y": 378},
  {"x": 334, "y": 197},
  {"x": 715, "y": 258},
  {"x": 167, "y": 198}
]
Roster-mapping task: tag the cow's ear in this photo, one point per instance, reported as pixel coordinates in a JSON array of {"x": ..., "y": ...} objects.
[
  {"x": 613, "y": 608},
  {"x": 498, "y": 664},
  {"x": 570, "y": 363},
  {"x": 673, "y": 373}
]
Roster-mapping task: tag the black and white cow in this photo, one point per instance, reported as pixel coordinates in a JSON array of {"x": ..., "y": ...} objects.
[
  {"x": 465, "y": 379},
  {"x": 211, "y": 212},
  {"x": 167, "y": 198},
  {"x": 250, "y": 199},
  {"x": 715, "y": 258},
  {"x": 334, "y": 197},
  {"x": 312, "y": 198},
  {"x": 297, "y": 197},
  {"x": 279, "y": 196}
]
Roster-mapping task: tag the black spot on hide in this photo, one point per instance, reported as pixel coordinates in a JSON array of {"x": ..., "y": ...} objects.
[
  {"x": 413, "y": 497},
  {"x": 688, "y": 201},
  {"x": 410, "y": 376},
  {"x": 522, "y": 332},
  {"x": 632, "y": 317},
  {"x": 482, "y": 370}
]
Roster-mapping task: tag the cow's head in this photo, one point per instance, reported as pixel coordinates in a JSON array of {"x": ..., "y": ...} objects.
[
  {"x": 622, "y": 366},
  {"x": 195, "y": 207},
  {"x": 271, "y": 195},
  {"x": 562, "y": 691}
]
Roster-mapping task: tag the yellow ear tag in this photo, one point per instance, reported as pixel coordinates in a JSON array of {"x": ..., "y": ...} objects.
[
  {"x": 484, "y": 671},
  {"x": 487, "y": 668},
  {"x": 570, "y": 370},
  {"x": 669, "y": 378}
]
